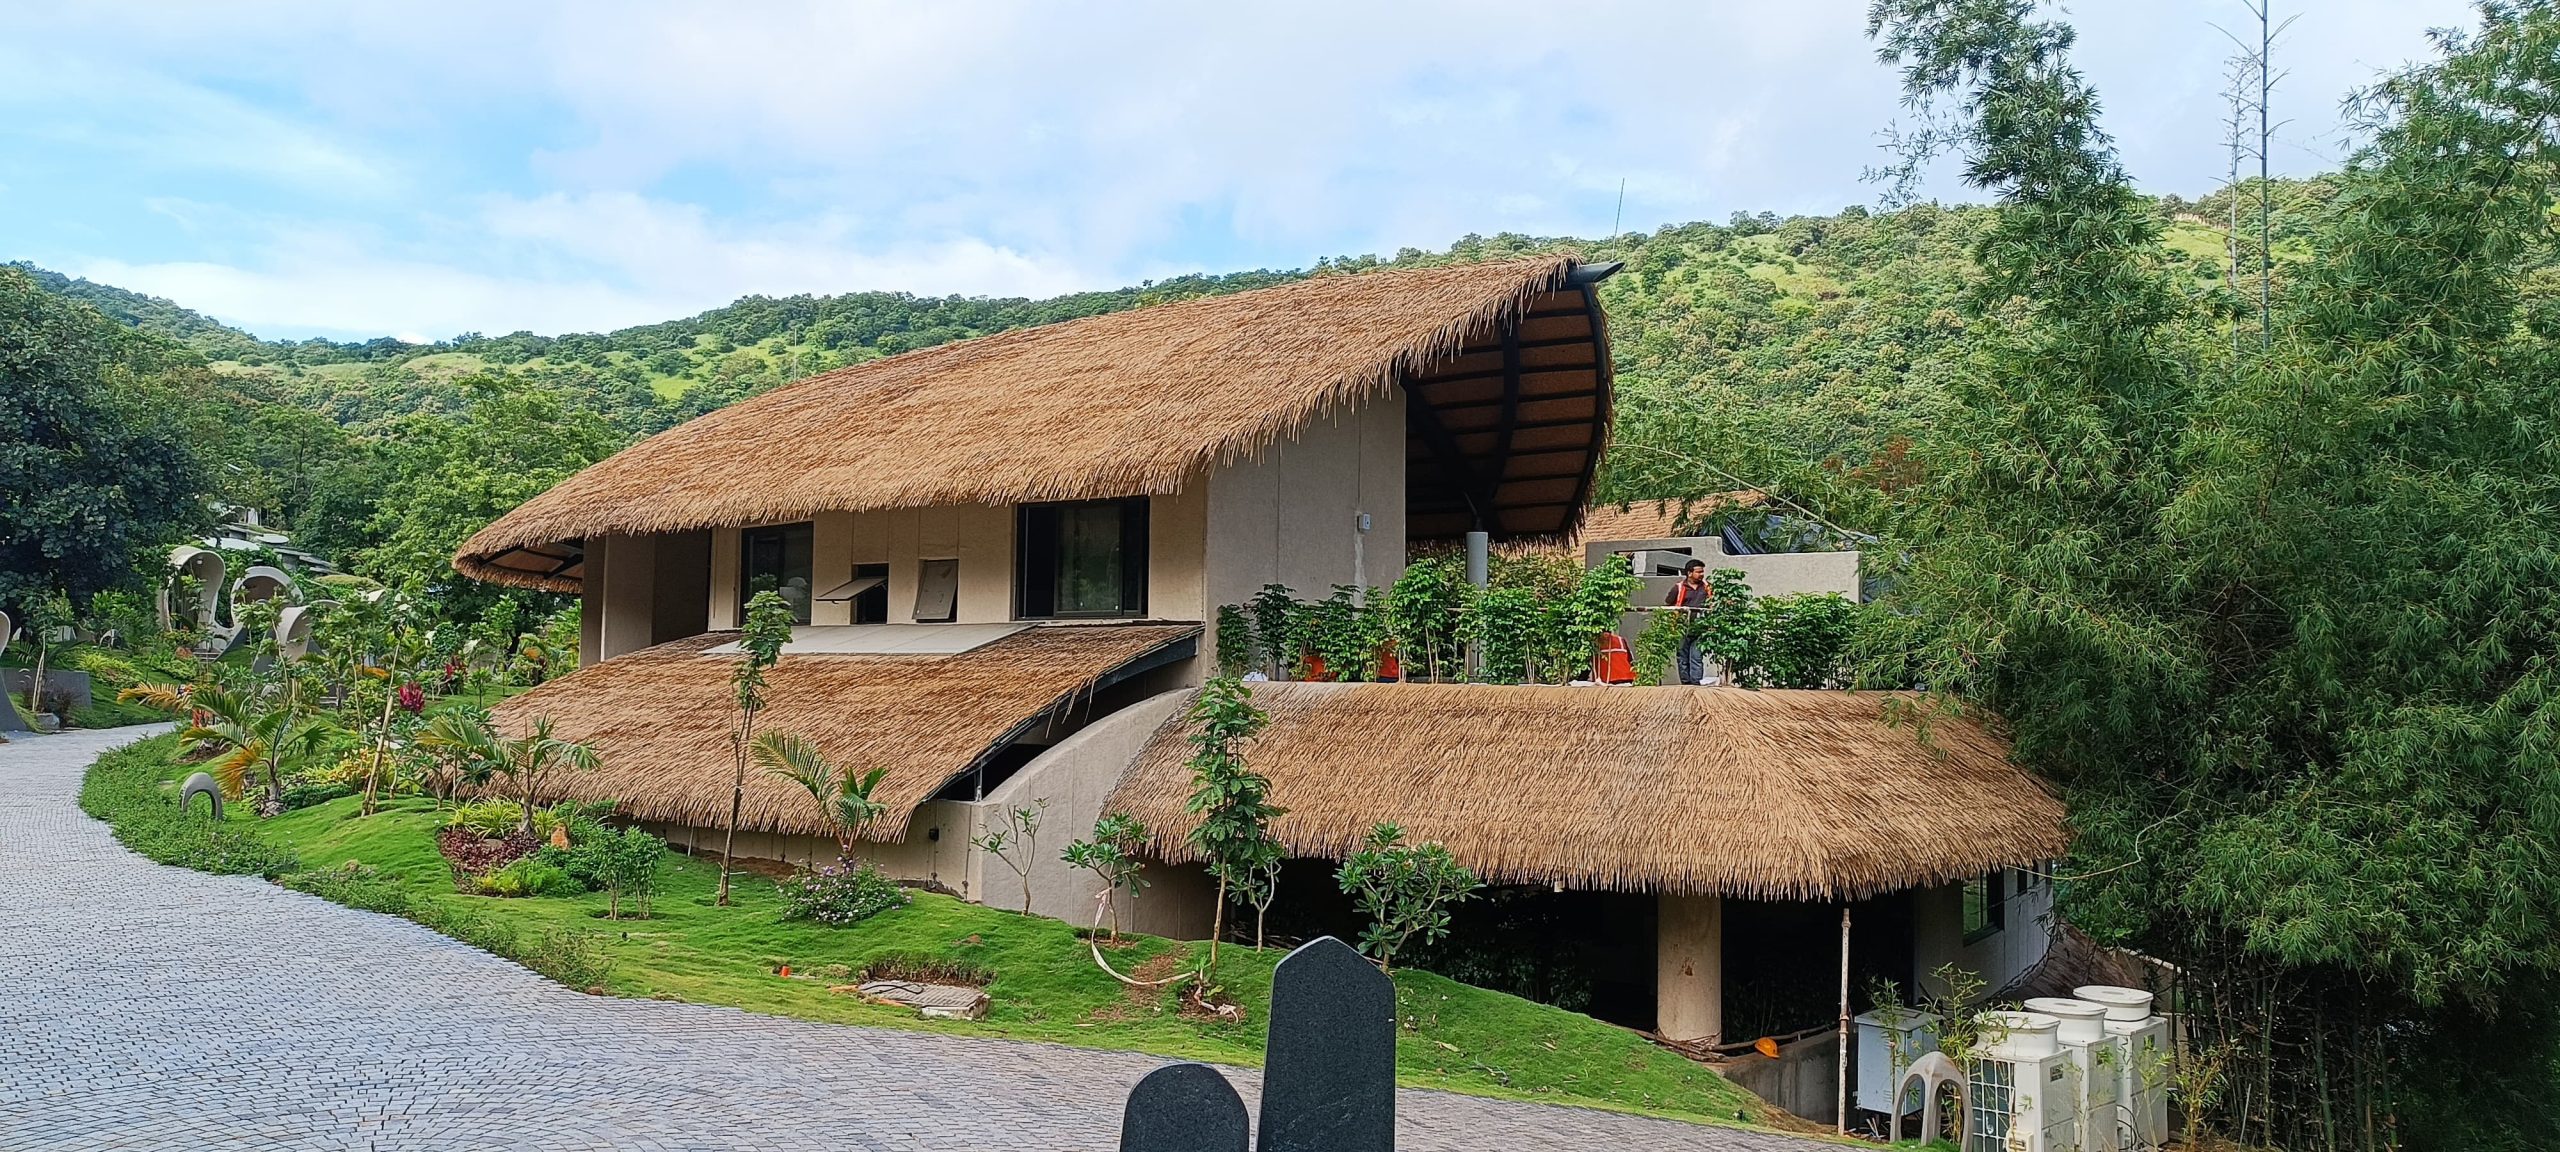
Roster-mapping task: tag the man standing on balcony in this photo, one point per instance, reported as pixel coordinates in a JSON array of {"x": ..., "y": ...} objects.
[{"x": 1692, "y": 594}]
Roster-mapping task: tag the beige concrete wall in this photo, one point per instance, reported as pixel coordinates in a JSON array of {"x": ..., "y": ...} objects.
[
  {"x": 724, "y": 579},
  {"x": 1069, "y": 783},
  {"x": 935, "y": 852},
  {"x": 621, "y": 596},
  {"x": 1688, "y": 979},
  {"x": 1289, "y": 517}
]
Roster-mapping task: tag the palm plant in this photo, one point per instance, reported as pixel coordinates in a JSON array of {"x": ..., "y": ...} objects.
[
  {"x": 843, "y": 795},
  {"x": 529, "y": 762},
  {"x": 274, "y": 739},
  {"x": 455, "y": 753}
]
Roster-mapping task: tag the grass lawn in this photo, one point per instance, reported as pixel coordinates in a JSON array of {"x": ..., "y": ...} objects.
[{"x": 1044, "y": 985}]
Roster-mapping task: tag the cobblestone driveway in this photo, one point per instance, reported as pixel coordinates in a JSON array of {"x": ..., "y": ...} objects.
[{"x": 151, "y": 1007}]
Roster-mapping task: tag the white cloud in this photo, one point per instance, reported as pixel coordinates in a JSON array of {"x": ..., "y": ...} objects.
[{"x": 587, "y": 163}]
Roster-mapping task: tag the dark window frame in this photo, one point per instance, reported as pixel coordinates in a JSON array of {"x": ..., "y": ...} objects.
[
  {"x": 1986, "y": 906},
  {"x": 780, "y": 535},
  {"x": 1038, "y": 561},
  {"x": 871, "y": 606}
]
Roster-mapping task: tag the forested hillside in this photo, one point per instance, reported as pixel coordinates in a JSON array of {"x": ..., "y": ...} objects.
[{"x": 1772, "y": 344}]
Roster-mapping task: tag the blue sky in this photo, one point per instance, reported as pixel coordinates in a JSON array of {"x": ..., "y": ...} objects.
[{"x": 355, "y": 170}]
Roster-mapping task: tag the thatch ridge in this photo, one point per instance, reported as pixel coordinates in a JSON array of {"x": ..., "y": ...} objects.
[
  {"x": 1764, "y": 795},
  {"x": 660, "y": 718},
  {"x": 1120, "y": 404}
]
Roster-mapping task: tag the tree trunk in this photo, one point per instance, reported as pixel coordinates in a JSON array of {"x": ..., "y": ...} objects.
[
  {"x": 35, "y": 687},
  {"x": 1218, "y": 922},
  {"x": 380, "y": 739},
  {"x": 737, "y": 800}
]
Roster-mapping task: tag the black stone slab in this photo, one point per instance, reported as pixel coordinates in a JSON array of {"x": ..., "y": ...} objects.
[
  {"x": 1329, "y": 1079},
  {"x": 1183, "y": 1108}
]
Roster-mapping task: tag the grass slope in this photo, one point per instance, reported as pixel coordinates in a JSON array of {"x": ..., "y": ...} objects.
[{"x": 1045, "y": 987}]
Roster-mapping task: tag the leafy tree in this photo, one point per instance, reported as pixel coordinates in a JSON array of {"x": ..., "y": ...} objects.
[
  {"x": 1404, "y": 889},
  {"x": 768, "y": 628},
  {"x": 2277, "y": 622},
  {"x": 531, "y": 763},
  {"x": 90, "y": 476},
  {"x": 1114, "y": 857},
  {"x": 273, "y": 736},
  {"x": 842, "y": 793},
  {"x": 46, "y": 616},
  {"x": 1232, "y": 800}
]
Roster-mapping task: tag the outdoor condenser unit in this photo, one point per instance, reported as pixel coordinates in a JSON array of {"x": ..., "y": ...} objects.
[
  {"x": 1885, "y": 1054},
  {"x": 2083, "y": 1035},
  {"x": 2142, "y": 1068},
  {"x": 2025, "y": 1091}
]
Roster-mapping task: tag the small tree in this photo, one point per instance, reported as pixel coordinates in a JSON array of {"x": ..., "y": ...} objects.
[
  {"x": 1232, "y": 801},
  {"x": 1235, "y": 641},
  {"x": 768, "y": 627},
  {"x": 1277, "y": 621},
  {"x": 843, "y": 796},
  {"x": 1112, "y": 855},
  {"x": 273, "y": 738},
  {"x": 1406, "y": 891},
  {"x": 530, "y": 763},
  {"x": 49, "y": 614},
  {"x": 625, "y": 865},
  {"x": 1016, "y": 843}
]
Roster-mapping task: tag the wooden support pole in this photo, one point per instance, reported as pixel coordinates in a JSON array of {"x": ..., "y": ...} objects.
[{"x": 1842, "y": 1065}]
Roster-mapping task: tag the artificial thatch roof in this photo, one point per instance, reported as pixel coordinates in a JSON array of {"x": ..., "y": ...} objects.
[
  {"x": 1505, "y": 365},
  {"x": 1659, "y": 519},
  {"x": 660, "y": 718},
  {"x": 1774, "y": 795}
]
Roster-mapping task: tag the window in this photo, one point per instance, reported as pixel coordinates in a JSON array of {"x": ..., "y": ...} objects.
[
  {"x": 871, "y": 605},
  {"x": 1986, "y": 905},
  {"x": 1083, "y": 559},
  {"x": 937, "y": 591},
  {"x": 776, "y": 560}
]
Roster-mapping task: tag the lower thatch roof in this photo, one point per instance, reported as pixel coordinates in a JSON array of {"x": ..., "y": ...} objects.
[
  {"x": 1773, "y": 795},
  {"x": 660, "y": 718}
]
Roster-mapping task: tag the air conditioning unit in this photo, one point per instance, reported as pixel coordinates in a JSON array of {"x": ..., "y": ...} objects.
[
  {"x": 2083, "y": 1034},
  {"x": 2142, "y": 1067},
  {"x": 1885, "y": 1054},
  {"x": 2025, "y": 1090}
]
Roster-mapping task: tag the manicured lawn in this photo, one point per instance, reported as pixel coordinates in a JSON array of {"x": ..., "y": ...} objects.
[{"x": 1044, "y": 985}]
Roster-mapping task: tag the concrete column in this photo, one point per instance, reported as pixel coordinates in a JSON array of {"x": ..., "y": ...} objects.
[
  {"x": 622, "y": 574},
  {"x": 1688, "y": 983}
]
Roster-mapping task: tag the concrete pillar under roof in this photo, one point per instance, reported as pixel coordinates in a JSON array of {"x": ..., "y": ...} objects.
[{"x": 1688, "y": 983}]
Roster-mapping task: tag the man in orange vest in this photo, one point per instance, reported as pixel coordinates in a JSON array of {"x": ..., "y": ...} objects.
[{"x": 1694, "y": 594}]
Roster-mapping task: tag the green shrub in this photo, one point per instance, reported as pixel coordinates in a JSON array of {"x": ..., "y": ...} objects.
[
  {"x": 577, "y": 959},
  {"x": 494, "y": 817},
  {"x": 841, "y": 893},
  {"x": 622, "y": 864},
  {"x": 530, "y": 876},
  {"x": 125, "y": 789}
]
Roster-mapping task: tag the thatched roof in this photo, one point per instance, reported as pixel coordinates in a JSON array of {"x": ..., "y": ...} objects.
[
  {"x": 1504, "y": 364},
  {"x": 1774, "y": 795},
  {"x": 660, "y": 718},
  {"x": 1659, "y": 519}
]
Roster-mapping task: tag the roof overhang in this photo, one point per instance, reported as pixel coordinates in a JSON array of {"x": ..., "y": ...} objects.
[
  {"x": 660, "y": 718},
  {"x": 1807, "y": 795}
]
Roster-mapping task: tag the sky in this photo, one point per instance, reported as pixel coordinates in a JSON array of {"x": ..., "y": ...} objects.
[{"x": 416, "y": 170}]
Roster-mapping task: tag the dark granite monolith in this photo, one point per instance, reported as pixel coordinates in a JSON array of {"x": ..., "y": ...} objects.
[
  {"x": 1183, "y": 1108},
  {"x": 1329, "y": 1079}
]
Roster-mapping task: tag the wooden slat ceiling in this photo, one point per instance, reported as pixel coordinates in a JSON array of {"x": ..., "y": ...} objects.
[{"x": 1505, "y": 436}]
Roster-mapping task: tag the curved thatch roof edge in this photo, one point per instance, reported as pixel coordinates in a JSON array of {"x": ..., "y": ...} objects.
[
  {"x": 562, "y": 515},
  {"x": 1446, "y": 785}
]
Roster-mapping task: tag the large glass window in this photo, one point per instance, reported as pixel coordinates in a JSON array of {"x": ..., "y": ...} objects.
[
  {"x": 777, "y": 560},
  {"x": 1082, "y": 559},
  {"x": 1986, "y": 905}
]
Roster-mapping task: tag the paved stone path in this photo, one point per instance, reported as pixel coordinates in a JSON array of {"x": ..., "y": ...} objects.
[{"x": 143, "y": 1006}]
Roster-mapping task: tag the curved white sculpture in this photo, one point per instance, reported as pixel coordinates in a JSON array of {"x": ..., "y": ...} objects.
[
  {"x": 1932, "y": 1072},
  {"x": 293, "y": 632},
  {"x": 207, "y": 568},
  {"x": 260, "y": 582}
]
